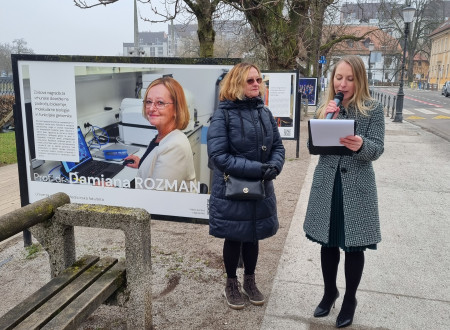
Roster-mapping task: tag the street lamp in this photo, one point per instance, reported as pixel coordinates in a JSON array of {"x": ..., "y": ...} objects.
[
  {"x": 371, "y": 48},
  {"x": 408, "y": 14}
]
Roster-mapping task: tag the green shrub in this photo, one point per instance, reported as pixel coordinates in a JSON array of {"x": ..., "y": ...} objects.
[{"x": 6, "y": 106}]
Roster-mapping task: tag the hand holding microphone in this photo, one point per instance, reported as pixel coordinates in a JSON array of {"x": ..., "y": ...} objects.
[{"x": 337, "y": 99}]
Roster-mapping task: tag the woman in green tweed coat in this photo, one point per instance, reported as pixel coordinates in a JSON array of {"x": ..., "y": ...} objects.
[{"x": 343, "y": 205}]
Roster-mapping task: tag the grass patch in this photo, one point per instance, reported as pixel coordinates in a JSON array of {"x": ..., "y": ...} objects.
[
  {"x": 32, "y": 251},
  {"x": 8, "y": 153}
]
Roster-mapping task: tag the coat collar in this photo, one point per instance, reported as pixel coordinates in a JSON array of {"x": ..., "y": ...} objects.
[{"x": 246, "y": 104}]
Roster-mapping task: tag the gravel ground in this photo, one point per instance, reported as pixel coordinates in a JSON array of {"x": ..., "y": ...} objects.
[{"x": 187, "y": 267}]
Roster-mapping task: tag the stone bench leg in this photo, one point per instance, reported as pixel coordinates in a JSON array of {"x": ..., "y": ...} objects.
[
  {"x": 59, "y": 242},
  {"x": 135, "y": 223},
  {"x": 139, "y": 273}
]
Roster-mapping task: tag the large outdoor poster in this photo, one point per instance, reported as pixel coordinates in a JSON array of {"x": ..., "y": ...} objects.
[{"x": 72, "y": 111}]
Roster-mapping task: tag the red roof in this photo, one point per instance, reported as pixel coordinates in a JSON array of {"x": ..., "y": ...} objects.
[{"x": 444, "y": 26}]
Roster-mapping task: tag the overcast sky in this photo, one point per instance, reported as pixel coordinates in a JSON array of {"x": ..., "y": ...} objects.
[{"x": 59, "y": 27}]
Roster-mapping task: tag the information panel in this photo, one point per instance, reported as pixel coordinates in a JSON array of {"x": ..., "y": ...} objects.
[
  {"x": 72, "y": 110},
  {"x": 281, "y": 99}
]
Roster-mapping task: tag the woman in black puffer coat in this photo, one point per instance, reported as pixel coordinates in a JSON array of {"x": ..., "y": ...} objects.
[{"x": 243, "y": 141}]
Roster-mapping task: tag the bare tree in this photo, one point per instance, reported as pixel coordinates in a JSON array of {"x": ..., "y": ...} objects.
[
  {"x": 290, "y": 31},
  {"x": 240, "y": 42},
  {"x": 189, "y": 47},
  {"x": 5, "y": 58},
  {"x": 429, "y": 15},
  {"x": 281, "y": 27},
  {"x": 203, "y": 10},
  {"x": 18, "y": 46},
  {"x": 88, "y": 4}
]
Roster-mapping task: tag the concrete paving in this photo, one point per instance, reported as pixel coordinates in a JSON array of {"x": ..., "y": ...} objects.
[
  {"x": 406, "y": 282},
  {"x": 9, "y": 192}
]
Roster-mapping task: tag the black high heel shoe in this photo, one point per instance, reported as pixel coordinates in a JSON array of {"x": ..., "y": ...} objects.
[
  {"x": 345, "y": 317},
  {"x": 324, "y": 307}
]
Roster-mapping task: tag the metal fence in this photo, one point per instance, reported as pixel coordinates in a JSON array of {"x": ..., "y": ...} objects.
[
  {"x": 6, "y": 86},
  {"x": 385, "y": 100}
]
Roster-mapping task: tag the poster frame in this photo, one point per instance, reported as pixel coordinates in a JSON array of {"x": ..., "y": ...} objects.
[
  {"x": 20, "y": 121},
  {"x": 295, "y": 104},
  {"x": 312, "y": 98}
]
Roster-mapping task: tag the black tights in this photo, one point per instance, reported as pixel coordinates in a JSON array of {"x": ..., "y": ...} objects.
[
  {"x": 354, "y": 265},
  {"x": 231, "y": 253}
]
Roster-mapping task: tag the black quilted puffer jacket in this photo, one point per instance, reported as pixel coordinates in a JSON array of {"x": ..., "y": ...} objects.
[{"x": 238, "y": 146}]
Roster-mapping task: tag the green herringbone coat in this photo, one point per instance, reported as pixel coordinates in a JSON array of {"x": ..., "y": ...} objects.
[{"x": 362, "y": 225}]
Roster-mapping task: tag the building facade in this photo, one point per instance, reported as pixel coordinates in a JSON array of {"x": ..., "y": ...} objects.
[
  {"x": 439, "y": 71},
  {"x": 182, "y": 41},
  {"x": 150, "y": 44},
  {"x": 384, "y": 58},
  {"x": 420, "y": 70}
]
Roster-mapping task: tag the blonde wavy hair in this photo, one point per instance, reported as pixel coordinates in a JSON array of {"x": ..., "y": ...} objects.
[
  {"x": 178, "y": 98},
  {"x": 232, "y": 86},
  {"x": 361, "y": 99}
]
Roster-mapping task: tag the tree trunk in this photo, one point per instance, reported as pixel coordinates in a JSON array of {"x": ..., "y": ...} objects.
[
  {"x": 206, "y": 36},
  {"x": 290, "y": 34},
  {"x": 277, "y": 34},
  {"x": 203, "y": 11}
]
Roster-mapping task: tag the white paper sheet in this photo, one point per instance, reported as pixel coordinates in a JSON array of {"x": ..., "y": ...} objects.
[{"x": 327, "y": 132}]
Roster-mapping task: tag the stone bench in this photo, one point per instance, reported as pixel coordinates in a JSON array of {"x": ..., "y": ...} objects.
[{"x": 52, "y": 221}]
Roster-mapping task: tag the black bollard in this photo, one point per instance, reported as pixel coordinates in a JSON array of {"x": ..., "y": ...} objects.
[
  {"x": 389, "y": 104},
  {"x": 393, "y": 108}
]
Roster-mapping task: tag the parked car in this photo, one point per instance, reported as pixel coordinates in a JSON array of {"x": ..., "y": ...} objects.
[{"x": 446, "y": 89}]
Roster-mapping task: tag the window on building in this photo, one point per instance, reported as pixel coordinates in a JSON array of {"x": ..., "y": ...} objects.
[{"x": 366, "y": 42}]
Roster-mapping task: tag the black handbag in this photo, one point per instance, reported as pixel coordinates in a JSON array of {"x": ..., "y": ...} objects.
[{"x": 243, "y": 189}]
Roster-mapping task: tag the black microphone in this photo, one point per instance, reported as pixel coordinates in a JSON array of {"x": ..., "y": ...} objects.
[{"x": 338, "y": 99}]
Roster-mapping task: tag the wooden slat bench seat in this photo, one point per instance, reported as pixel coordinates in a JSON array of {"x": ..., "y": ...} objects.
[{"x": 68, "y": 299}]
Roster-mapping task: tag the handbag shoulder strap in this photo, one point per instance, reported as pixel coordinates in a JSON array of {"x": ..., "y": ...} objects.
[{"x": 227, "y": 117}]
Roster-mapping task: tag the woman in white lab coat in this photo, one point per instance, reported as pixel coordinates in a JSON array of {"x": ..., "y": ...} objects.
[{"x": 167, "y": 164}]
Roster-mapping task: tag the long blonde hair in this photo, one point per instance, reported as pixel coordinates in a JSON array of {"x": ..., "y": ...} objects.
[
  {"x": 232, "y": 86},
  {"x": 361, "y": 99}
]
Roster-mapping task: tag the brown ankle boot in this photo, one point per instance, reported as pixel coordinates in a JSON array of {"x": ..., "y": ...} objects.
[
  {"x": 251, "y": 291},
  {"x": 232, "y": 294}
]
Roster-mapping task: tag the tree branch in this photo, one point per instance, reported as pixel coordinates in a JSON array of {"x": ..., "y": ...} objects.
[{"x": 84, "y": 5}]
